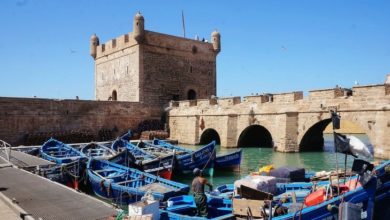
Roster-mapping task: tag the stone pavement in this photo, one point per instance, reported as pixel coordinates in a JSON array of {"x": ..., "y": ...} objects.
[{"x": 6, "y": 212}]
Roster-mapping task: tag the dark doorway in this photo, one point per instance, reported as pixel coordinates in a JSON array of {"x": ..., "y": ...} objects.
[
  {"x": 209, "y": 135},
  {"x": 114, "y": 95},
  {"x": 191, "y": 94},
  {"x": 313, "y": 140},
  {"x": 255, "y": 136}
]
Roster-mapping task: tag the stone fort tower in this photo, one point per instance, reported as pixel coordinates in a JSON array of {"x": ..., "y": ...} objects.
[{"x": 154, "y": 68}]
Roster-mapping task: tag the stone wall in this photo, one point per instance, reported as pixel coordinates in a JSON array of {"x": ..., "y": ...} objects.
[
  {"x": 118, "y": 71},
  {"x": 287, "y": 116},
  {"x": 156, "y": 70},
  {"x": 21, "y": 116}
]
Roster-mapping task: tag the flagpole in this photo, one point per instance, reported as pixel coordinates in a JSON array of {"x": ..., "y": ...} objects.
[{"x": 184, "y": 26}]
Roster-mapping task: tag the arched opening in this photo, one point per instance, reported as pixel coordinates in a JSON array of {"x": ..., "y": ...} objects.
[
  {"x": 191, "y": 94},
  {"x": 319, "y": 137},
  {"x": 209, "y": 135},
  {"x": 114, "y": 95},
  {"x": 255, "y": 136},
  {"x": 313, "y": 140}
]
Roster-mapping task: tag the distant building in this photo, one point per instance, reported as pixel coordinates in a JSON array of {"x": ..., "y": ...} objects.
[{"x": 154, "y": 68}]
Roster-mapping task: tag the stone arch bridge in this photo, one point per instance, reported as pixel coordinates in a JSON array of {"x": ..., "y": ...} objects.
[{"x": 288, "y": 122}]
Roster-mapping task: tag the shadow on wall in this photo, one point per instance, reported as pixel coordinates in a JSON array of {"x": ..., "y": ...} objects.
[
  {"x": 313, "y": 140},
  {"x": 209, "y": 135},
  {"x": 255, "y": 136},
  {"x": 316, "y": 140}
]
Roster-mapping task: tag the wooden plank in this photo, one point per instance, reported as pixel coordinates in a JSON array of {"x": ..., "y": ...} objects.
[
  {"x": 248, "y": 207},
  {"x": 127, "y": 181},
  {"x": 140, "y": 217}
]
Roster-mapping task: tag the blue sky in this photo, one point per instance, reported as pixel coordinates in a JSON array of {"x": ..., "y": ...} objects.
[{"x": 267, "y": 46}]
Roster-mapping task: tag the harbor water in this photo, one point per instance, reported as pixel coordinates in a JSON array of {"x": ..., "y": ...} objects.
[{"x": 253, "y": 158}]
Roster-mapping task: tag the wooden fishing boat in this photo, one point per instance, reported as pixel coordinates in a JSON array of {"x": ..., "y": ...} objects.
[
  {"x": 124, "y": 185},
  {"x": 186, "y": 160},
  {"x": 184, "y": 207},
  {"x": 97, "y": 151},
  {"x": 58, "y": 152},
  {"x": 132, "y": 156},
  {"x": 229, "y": 161},
  {"x": 327, "y": 200},
  {"x": 70, "y": 163},
  {"x": 224, "y": 191}
]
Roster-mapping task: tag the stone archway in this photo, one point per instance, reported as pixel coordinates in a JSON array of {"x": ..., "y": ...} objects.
[
  {"x": 209, "y": 135},
  {"x": 255, "y": 136},
  {"x": 313, "y": 139}
]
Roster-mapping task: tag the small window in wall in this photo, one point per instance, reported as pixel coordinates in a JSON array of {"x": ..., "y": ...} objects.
[
  {"x": 191, "y": 95},
  {"x": 114, "y": 96}
]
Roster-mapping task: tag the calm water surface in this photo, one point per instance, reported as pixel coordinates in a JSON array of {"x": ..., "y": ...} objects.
[{"x": 253, "y": 158}]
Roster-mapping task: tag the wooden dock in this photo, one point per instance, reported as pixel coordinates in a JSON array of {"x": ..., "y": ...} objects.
[
  {"x": 22, "y": 160},
  {"x": 44, "y": 199}
]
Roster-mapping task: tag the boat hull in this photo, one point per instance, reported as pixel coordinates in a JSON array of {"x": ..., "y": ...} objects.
[
  {"x": 229, "y": 161},
  {"x": 162, "y": 167},
  {"x": 202, "y": 158},
  {"x": 59, "y": 153},
  {"x": 124, "y": 185}
]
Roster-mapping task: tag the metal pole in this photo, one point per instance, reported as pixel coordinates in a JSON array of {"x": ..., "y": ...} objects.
[
  {"x": 345, "y": 169},
  {"x": 334, "y": 114},
  {"x": 184, "y": 26}
]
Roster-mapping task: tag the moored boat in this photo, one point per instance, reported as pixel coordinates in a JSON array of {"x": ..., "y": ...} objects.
[
  {"x": 97, "y": 151},
  {"x": 187, "y": 160},
  {"x": 229, "y": 161},
  {"x": 70, "y": 162},
  {"x": 58, "y": 152},
  {"x": 132, "y": 156},
  {"x": 124, "y": 185},
  {"x": 325, "y": 199},
  {"x": 225, "y": 191},
  {"x": 184, "y": 207}
]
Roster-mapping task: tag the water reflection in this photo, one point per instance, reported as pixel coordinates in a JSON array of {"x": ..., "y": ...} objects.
[{"x": 253, "y": 158}]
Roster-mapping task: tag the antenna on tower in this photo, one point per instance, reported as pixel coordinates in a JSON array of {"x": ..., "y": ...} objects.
[{"x": 184, "y": 26}]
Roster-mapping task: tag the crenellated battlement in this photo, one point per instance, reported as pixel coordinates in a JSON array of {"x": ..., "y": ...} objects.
[
  {"x": 115, "y": 45},
  {"x": 290, "y": 98},
  {"x": 170, "y": 42},
  {"x": 144, "y": 66},
  {"x": 371, "y": 90}
]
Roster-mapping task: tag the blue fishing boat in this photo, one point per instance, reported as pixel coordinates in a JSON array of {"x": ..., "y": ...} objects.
[
  {"x": 70, "y": 163},
  {"x": 124, "y": 185},
  {"x": 126, "y": 136},
  {"x": 224, "y": 191},
  {"x": 324, "y": 200},
  {"x": 187, "y": 160},
  {"x": 229, "y": 161},
  {"x": 132, "y": 156},
  {"x": 97, "y": 151},
  {"x": 184, "y": 207},
  {"x": 284, "y": 191},
  {"x": 376, "y": 190},
  {"x": 58, "y": 152}
]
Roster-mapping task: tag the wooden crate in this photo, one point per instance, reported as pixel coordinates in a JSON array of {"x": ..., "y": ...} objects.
[{"x": 248, "y": 207}]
